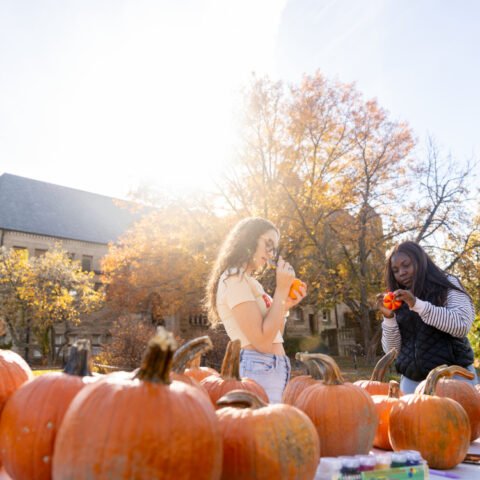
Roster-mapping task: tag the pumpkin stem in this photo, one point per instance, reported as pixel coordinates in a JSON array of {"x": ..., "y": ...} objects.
[
  {"x": 231, "y": 361},
  {"x": 330, "y": 372},
  {"x": 381, "y": 367},
  {"x": 189, "y": 352},
  {"x": 393, "y": 389},
  {"x": 312, "y": 367},
  {"x": 444, "y": 371},
  {"x": 157, "y": 361},
  {"x": 79, "y": 359},
  {"x": 241, "y": 399}
]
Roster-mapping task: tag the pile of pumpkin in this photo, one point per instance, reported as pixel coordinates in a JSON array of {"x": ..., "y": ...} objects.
[{"x": 172, "y": 419}]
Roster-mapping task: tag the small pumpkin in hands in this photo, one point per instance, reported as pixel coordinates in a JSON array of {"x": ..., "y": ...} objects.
[
  {"x": 390, "y": 302},
  {"x": 296, "y": 284}
]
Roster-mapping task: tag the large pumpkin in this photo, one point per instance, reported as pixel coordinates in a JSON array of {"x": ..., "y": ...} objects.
[
  {"x": 14, "y": 371},
  {"x": 143, "y": 427},
  {"x": 265, "y": 441},
  {"x": 437, "y": 427},
  {"x": 229, "y": 379},
  {"x": 33, "y": 414},
  {"x": 298, "y": 384},
  {"x": 376, "y": 385},
  {"x": 463, "y": 392},
  {"x": 344, "y": 414},
  {"x": 384, "y": 404}
]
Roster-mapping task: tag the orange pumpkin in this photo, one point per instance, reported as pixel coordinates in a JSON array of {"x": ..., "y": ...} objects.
[
  {"x": 14, "y": 371},
  {"x": 33, "y": 414},
  {"x": 143, "y": 427},
  {"x": 298, "y": 384},
  {"x": 186, "y": 360},
  {"x": 437, "y": 427},
  {"x": 376, "y": 385},
  {"x": 463, "y": 392},
  {"x": 390, "y": 302},
  {"x": 229, "y": 379},
  {"x": 265, "y": 441},
  {"x": 384, "y": 404},
  {"x": 344, "y": 414}
]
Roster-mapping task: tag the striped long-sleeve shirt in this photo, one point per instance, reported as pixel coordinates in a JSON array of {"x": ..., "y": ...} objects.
[{"x": 455, "y": 317}]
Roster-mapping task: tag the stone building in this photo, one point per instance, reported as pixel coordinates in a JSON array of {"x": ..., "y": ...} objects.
[{"x": 36, "y": 215}]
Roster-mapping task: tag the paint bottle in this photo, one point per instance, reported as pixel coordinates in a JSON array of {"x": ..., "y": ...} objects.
[
  {"x": 413, "y": 457},
  {"x": 383, "y": 461},
  {"x": 328, "y": 468},
  {"x": 399, "y": 459},
  {"x": 367, "y": 462},
  {"x": 350, "y": 468}
]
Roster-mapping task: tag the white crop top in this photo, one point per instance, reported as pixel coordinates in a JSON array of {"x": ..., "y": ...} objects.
[{"x": 236, "y": 289}]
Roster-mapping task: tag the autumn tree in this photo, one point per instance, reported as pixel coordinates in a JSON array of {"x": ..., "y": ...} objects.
[
  {"x": 161, "y": 264},
  {"x": 39, "y": 293}
]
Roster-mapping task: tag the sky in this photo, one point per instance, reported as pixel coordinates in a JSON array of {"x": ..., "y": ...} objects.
[{"x": 111, "y": 95}]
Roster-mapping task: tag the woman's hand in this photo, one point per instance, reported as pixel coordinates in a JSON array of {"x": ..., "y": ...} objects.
[
  {"x": 300, "y": 292},
  {"x": 386, "y": 312},
  {"x": 406, "y": 296},
  {"x": 284, "y": 276}
]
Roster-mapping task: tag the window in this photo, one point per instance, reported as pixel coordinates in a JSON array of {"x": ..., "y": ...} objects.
[
  {"x": 39, "y": 252},
  {"x": 16, "y": 247},
  {"x": 71, "y": 256},
  {"x": 326, "y": 316},
  {"x": 96, "y": 339},
  {"x": 296, "y": 315},
  {"x": 58, "y": 339},
  {"x": 198, "y": 319},
  {"x": 87, "y": 261},
  {"x": 97, "y": 286}
]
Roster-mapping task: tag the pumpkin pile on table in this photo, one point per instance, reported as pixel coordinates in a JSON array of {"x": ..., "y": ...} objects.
[{"x": 160, "y": 421}]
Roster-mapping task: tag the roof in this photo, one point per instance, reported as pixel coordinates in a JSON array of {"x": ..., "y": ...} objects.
[{"x": 42, "y": 208}]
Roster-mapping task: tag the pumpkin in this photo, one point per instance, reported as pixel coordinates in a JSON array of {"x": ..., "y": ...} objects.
[
  {"x": 14, "y": 371},
  {"x": 33, "y": 414},
  {"x": 384, "y": 404},
  {"x": 437, "y": 427},
  {"x": 229, "y": 378},
  {"x": 265, "y": 441},
  {"x": 298, "y": 384},
  {"x": 143, "y": 427},
  {"x": 463, "y": 392},
  {"x": 390, "y": 302},
  {"x": 376, "y": 385},
  {"x": 186, "y": 360},
  {"x": 295, "y": 287},
  {"x": 343, "y": 413}
]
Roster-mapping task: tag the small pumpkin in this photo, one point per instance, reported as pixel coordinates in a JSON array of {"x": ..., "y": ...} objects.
[
  {"x": 463, "y": 392},
  {"x": 33, "y": 414},
  {"x": 143, "y": 427},
  {"x": 376, "y": 385},
  {"x": 229, "y": 379},
  {"x": 298, "y": 384},
  {"x": 186, "y": 359},
  {"x": 384, "y": 404},
  {"x": 265, "y": 441},
  {"x": 343, "y": 413},
  {"x": 437, "y": 427}
]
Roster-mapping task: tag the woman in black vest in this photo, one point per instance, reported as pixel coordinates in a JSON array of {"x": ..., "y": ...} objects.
[{"x": 430, "y": 327}]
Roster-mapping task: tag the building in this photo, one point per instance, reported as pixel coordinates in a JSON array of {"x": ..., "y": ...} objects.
[{"x": 36, "y": 215}]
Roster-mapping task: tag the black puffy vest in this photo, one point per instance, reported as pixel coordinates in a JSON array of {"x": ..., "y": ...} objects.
[{"x": 425, "y": 347}]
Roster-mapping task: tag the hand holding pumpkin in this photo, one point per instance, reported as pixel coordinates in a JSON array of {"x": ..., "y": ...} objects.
[{"x": 391, "y": 301}]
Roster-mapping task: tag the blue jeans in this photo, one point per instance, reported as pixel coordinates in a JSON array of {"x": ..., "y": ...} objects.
[
  {"x": 271, "y": 371},
  {"x": 408, "y": 386}
]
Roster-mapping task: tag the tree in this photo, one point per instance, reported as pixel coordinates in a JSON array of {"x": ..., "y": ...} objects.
[{"x": 38, "y": 293}]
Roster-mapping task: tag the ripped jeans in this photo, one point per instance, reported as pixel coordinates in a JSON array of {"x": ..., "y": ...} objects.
[{"x": 271, "y": 371}]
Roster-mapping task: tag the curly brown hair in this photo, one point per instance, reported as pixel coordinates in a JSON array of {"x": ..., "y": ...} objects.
[{"x": 236, "y": 251}]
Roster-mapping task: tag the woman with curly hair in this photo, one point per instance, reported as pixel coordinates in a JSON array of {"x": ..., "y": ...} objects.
[{"x": 237, "y": 300}]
